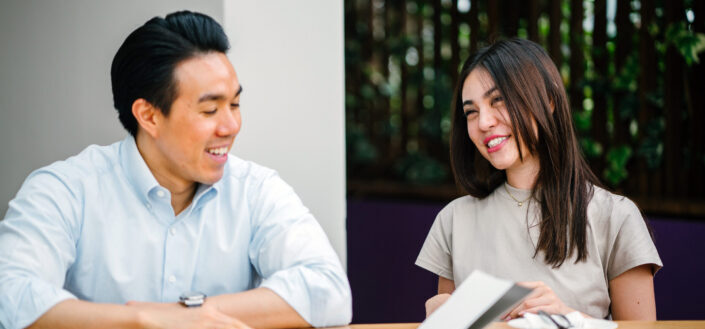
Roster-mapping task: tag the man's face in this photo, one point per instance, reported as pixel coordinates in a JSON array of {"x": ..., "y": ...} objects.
[{"x": 194, "y": 139}]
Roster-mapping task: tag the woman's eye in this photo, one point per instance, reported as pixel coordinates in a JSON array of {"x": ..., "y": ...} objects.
[
  {"x": 234, "y": 106},
  {"x": 211, "y": 111},
  {"x": 469, "y": 112},
  {"x": 497, "y": 99}
]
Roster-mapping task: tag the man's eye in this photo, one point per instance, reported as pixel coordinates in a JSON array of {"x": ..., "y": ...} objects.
[
  {"x": 210, "y": 112},
  {"x": 234, "y": 105}
]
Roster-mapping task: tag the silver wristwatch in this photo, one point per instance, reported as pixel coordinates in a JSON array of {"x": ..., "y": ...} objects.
[{"x": 192, "y": 298}]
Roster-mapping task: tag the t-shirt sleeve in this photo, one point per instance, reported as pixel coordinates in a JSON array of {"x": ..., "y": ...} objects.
[
  {"x": 435, "y": 255},
  {"x": 633, "y": 245}
]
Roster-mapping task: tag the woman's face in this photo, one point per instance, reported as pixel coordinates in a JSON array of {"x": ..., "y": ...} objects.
[{"x": 489, "y": 125}]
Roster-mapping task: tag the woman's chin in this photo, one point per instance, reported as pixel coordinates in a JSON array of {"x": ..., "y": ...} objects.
[{"x": 500, "y": 164}]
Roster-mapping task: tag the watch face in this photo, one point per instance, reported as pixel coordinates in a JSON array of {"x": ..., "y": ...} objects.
[{"x": 192, "y": 298}]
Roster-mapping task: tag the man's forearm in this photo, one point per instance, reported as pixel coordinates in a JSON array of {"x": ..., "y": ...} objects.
[
  {"x": 73, "y": 313},
  {"x": 259, "y": 308},
  {"x": 80, "y": 314}
]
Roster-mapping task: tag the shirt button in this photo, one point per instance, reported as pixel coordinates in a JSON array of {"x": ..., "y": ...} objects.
[
  {"x": 172, "y": 279},
  {"x": 149, "y": 206},
  {"x": 161, "y": 193},
  {"x": 172, "y": 231}
]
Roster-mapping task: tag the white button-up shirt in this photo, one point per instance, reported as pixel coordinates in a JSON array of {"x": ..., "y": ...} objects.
[{"x": 98, "y": 227}]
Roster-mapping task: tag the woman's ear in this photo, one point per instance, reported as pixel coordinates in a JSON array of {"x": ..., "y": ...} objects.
[{"x": 147, "y": 115}]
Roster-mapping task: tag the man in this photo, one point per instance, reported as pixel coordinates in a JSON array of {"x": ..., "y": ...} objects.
[{"x": 136, "y": 234}]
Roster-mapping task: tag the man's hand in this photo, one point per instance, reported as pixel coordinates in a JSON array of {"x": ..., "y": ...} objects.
[
  {"x": 174, "y": 315},
  {"x": 433, "y": 303},
  {"x": 542, "y": 298}
]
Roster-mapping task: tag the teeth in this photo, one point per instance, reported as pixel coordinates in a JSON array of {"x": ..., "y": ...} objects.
[
  {"x": 218, "y": 151},
  {"x": 496, "y": 141}
]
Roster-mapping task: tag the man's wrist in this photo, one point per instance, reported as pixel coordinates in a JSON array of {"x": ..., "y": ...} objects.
[{"x": 142, "y": 319}]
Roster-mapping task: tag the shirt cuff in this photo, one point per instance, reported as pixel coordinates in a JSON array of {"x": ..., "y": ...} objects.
[
  {"x": 25, "y": 302},
  {"x": 306, "y": 290},
  {"x": 435, "y": 269}
]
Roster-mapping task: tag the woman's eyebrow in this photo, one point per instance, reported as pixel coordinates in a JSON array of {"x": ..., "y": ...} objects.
[
  {"x": 490, "y": 91},
  {"x": 485, "y": 95}
]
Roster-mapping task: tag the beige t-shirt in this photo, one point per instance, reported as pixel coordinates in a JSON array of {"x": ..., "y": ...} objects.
[{"x": 499, "y": 237}]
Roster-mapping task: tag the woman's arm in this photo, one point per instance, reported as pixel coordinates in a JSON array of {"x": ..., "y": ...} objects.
[
  {"x": 632, "y": 294},
  {"x": 445, "y": 288}
]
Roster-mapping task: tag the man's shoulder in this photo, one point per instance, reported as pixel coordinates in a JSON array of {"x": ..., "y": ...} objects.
[
  {"x": 246, "y": 170},
  {"x": 92, "y": 161}
]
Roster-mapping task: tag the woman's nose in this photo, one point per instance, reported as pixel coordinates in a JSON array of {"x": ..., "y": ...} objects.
[{"x": 487, "y": 118}]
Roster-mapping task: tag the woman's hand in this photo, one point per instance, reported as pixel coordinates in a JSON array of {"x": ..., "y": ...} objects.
[
  {"x": 542, "y": 298},
  {"x": 433, "y": 303},
  {"x": 174, "y": 315}
]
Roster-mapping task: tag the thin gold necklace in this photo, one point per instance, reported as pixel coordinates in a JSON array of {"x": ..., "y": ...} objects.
[{"x": 519, "y": 202}]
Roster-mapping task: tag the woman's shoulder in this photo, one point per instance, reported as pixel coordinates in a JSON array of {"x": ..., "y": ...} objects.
[
  {"x": 462, "y": 206},
  {"x": 606, "y": 205},
  {"x": 452, "y": 212},
  {"x": 462, "y": 203}
]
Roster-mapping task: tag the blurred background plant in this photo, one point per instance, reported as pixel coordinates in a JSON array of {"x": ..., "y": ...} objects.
[{"x": 633, "y": 71}]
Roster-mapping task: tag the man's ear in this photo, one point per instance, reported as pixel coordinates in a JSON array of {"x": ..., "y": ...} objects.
[{"x": 147, "y": 115}]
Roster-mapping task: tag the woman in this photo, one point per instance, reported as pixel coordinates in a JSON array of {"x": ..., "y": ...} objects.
[{"x": 535, "y": 213}]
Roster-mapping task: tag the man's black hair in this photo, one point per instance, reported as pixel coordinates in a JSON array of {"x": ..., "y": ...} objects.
[{"x": 144, "y": 65}]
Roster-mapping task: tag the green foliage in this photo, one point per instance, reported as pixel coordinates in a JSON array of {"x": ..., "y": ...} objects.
[
  {"x": 358, "y": 147},
  {"x": 688, "y": 43},
  {"x": 421, "y": 169},
  {"x": 652, "y": 147},
  {"x": 583, "y": 121},
  {"x": 617, "y": 159},
  {"x": 378, "y": 115},
  {"x": 591, "y": 148}
]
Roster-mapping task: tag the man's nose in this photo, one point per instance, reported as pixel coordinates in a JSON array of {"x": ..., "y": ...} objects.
[{"x": 229, "y": 123}]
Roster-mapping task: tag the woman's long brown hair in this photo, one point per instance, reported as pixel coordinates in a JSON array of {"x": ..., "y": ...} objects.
[{"x": 533, "y": 92}]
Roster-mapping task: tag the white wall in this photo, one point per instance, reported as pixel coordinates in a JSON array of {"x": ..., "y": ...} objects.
[
  {"x": 55, "y": 96},
  {"x": 289, "y": 60}
]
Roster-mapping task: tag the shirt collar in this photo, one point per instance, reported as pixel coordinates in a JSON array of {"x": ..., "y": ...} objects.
[
  {"x": 205, "y": 193},
  {"x": 142, "y": 179},
  {"x": 136, "y": 169}
]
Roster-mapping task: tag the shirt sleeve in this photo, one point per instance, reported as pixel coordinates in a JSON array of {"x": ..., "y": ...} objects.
[
  {"x": 633, "y": 245},
  {"x": 435, "y": 255},
  {"x": 292, "y": 254},
  {"x": 37, "y": 246}
]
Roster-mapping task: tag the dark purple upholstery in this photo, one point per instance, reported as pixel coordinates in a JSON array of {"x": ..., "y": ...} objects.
[
  {"x": 384, "y": 238},
  {"x": 680, "y": 284}
]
